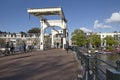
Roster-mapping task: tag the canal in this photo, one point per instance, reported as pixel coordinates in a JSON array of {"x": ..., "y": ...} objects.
[{"x": 110, "y": 58}]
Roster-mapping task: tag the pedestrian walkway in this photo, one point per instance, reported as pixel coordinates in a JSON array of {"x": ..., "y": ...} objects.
[{"x": 55, "y": 64}]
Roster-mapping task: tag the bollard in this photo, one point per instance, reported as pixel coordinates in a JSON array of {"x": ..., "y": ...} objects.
[{"x": 118, "y": 65}]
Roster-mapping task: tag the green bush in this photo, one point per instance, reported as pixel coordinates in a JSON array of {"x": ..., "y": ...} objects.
[{"x": 110, "y": 48}]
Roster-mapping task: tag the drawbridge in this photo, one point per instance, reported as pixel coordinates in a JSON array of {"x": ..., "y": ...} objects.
[{"x": 41, "y": 13}]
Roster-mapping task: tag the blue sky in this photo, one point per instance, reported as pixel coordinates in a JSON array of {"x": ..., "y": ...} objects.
[{"x": 88, "y": 15}]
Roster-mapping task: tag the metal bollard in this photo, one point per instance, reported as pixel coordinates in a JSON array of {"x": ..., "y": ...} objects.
[{"x": 118, "y": 65}]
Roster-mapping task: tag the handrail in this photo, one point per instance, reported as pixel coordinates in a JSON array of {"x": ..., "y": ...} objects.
[
  {"x": 106, "y": 63},
  {"x": 92, "y": 61},
  {"x": 112, "y": 66}
]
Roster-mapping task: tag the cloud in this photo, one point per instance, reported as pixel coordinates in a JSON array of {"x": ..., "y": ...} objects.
[
  {"x": 85, "y": 29},
  {"x": 114, "y": 18},
  {"x": 97, "y": 24}
]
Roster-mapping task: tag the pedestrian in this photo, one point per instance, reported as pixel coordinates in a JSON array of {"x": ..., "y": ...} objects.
[
  {"x": 67, "y": 47},
  {"x": 57, "y": 44},
  {"x": 11, "y": 47},
  {"x": 24, "y": 46}
]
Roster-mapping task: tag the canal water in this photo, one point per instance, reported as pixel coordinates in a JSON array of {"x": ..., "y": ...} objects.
[{"x": 110, "y": 58}]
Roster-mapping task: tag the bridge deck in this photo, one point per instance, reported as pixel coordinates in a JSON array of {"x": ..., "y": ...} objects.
[{"x": 53, "y": 64}]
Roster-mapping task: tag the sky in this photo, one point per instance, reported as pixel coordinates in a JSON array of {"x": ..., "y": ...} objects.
[{"x": 87, "y": 15}]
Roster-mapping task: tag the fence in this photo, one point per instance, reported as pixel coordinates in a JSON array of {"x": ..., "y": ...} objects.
[{"x": 93, "y": 70}]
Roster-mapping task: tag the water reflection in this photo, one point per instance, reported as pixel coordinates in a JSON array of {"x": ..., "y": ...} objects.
[{"x": 110, "y": 58}]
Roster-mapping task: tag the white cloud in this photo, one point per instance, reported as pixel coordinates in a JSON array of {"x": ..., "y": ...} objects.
[
  {"x": 97, "y": 24},
  {"x": 85, "y": 29},
  {"x": 114, "y": 18}
]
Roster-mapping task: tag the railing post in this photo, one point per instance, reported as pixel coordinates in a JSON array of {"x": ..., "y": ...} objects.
[
  {"x": 87, "y": 74},
  {"x": 118, "y": 65},
  {"x": 96, "y": 67},
  {"x": 88, "y": 67},
  {"x": 76, "y": 49},
  {"x": 114, "y": 74}
]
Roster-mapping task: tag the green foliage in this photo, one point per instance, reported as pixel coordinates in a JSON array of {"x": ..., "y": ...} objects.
[
  {"x": 110, "y": 48},
  {"x": 111, "y": 41},
  {"x": 2, "y": 42},
  {"x": 34, "y": 30},
  {"x": 35, "y": 42},
  {"x": 116, "y": 42},
  {"x": 95, "y": 40},
  {"x": 79, "y": 37}
]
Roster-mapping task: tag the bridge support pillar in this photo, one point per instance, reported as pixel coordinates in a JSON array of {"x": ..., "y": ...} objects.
[
  {"x": 52, "y": 44},
  {"x": 43, "y": 26}
]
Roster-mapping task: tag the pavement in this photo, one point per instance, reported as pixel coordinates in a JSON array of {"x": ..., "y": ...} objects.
[{"x": 55, "y": 64}]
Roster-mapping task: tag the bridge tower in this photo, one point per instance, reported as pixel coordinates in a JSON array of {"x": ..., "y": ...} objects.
[{"x": 45, "y": 23}]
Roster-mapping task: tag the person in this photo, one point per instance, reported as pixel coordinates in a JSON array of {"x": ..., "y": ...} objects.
[
  {"x": 67, "y": 47},
  {"x": 24, "y": 46},
  {"x": 57, "y": 45},
  {"x": 12, "y": 48}
]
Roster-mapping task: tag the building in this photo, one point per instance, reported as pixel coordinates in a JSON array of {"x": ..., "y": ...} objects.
[
  {"x": 103, "y": 35},
  {"x": 18, "y": 38},
  {"x": 116, "y": 36},
  {"x": 34, "y": 39}
]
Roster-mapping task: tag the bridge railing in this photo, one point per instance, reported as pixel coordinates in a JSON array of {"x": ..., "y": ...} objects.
[{"x": 96, "y": 69}]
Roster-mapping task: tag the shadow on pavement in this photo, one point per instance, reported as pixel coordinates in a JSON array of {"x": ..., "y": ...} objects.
[{"x": 47, "y": 66}]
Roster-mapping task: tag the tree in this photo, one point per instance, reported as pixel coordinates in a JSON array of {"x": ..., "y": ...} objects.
[
  {"x": 95, "y": 40},
  {"x": 34, "y": 30},
  {"x": 79, "y": 37},
  {"x": 89, "y": 40},
  {"x": 2, "y": 42},
  {"x": 111, "y": 41}
]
